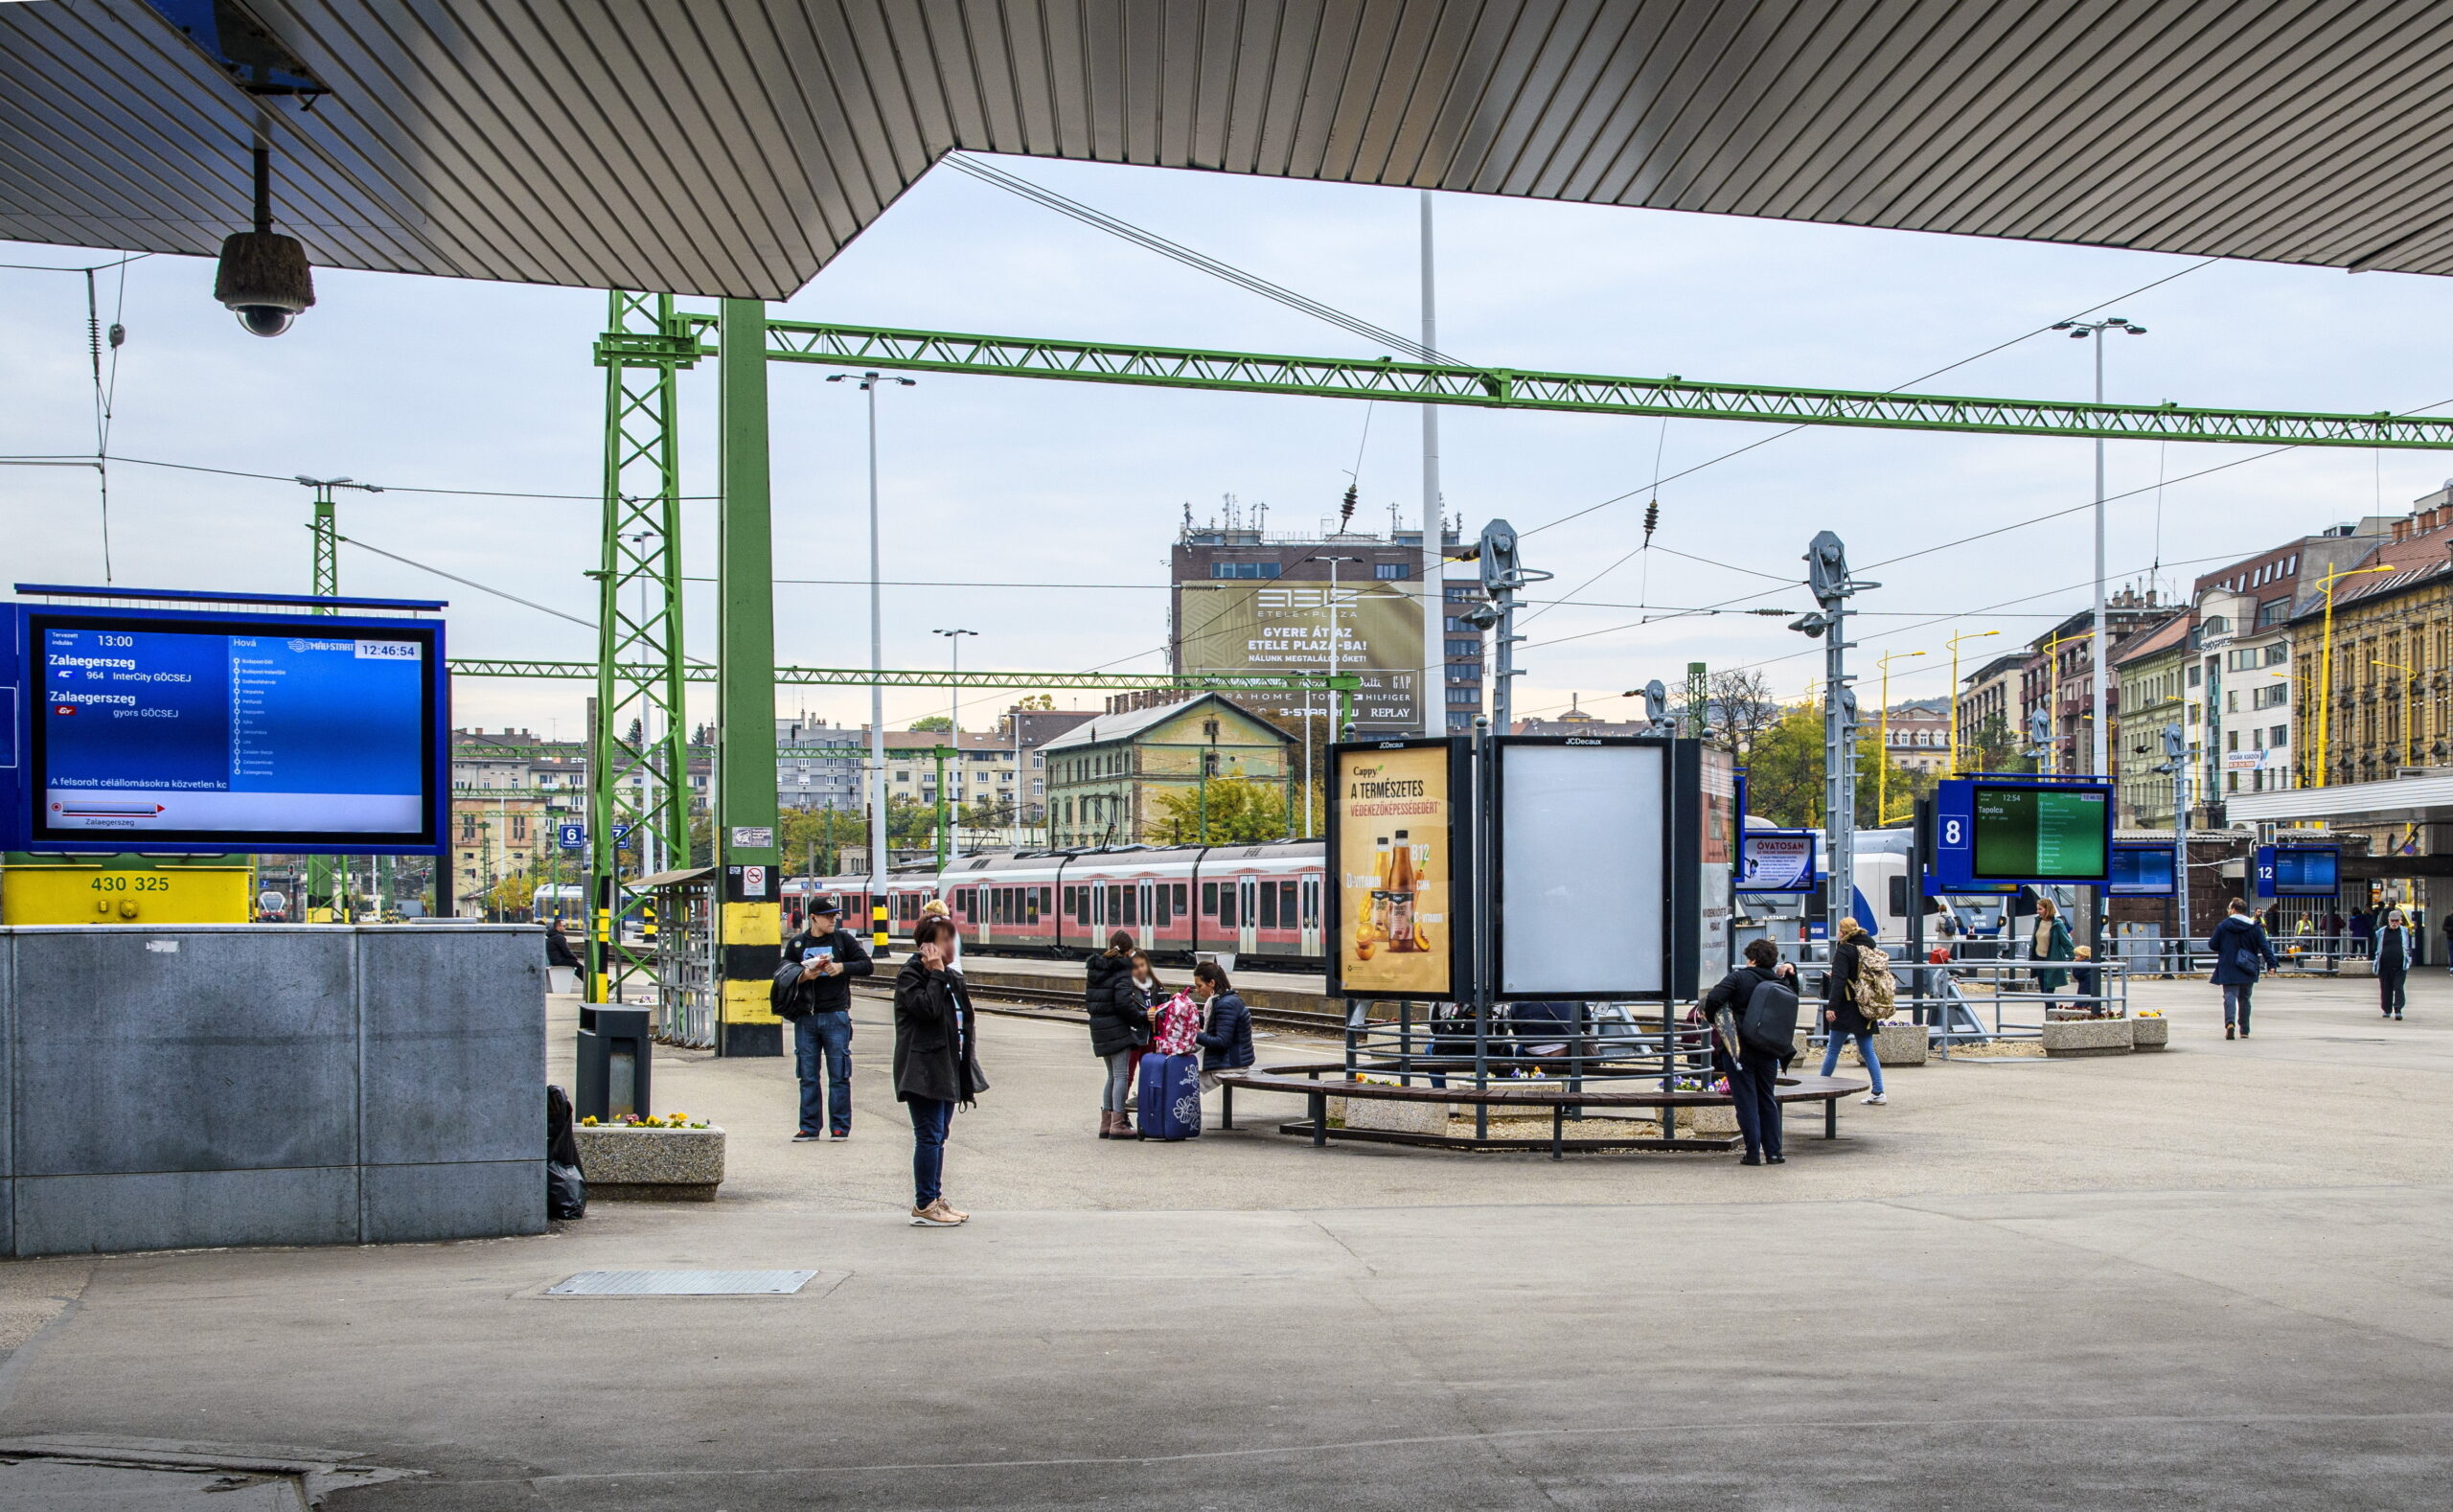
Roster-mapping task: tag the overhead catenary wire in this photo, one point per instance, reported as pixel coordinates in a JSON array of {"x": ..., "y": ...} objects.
[{"x": 1200, "y": 262}]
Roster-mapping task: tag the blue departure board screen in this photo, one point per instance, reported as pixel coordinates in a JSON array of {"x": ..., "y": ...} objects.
[
  {"x": 2143, "y": 870},
  {"x": 153, "y": 731}
]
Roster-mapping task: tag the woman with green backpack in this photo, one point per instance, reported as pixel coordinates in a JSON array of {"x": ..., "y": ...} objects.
[{"x": 1841, "y": 1017}]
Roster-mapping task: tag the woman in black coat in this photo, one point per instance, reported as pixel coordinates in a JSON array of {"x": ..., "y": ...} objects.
[
  {"x": 1840, "y": 1020},
  {"x": 1119, "y": 1025},
  {"x": 936, "y": 1062},
  {"x": 2237, "y": 944}
]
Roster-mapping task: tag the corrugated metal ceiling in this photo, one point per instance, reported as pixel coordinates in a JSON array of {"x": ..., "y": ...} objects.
[{"x": 732, "y": 147}]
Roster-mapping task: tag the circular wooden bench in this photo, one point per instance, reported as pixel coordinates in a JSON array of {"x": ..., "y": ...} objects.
[{"x": 1307, "y": 1082}]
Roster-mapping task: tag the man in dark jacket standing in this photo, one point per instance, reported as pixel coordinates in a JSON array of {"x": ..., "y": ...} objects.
[
  {"x": 936, "y": 1062},
  {"x": 820, "y": 1007},
  {"x": 2396, "y": 952},
  {"x": 2237, "y": 944},
  {"x": 1754, "y": 1073}
]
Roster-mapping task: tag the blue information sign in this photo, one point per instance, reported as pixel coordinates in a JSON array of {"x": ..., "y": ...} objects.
[
  {"x": 2298, "y": 871},
  {"x": 1776, "y": 861},
  {"x": 198, "y": 732},
  {"x": 2143, "y": 869},
  {"x": 1993, "y": 831},
  {"x": 573, "y": 836}
]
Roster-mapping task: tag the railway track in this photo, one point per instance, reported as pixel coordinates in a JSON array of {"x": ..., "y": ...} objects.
[{"x": 1052, "y": 1002}]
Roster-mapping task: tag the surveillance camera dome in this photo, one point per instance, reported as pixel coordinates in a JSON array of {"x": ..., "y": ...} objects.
[
  {"x": 265, "y": 320},
  {"x": 264, "y": 278}
]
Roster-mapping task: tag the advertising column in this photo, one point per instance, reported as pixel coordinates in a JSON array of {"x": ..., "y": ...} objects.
[{"x": 1396, "y": 914}]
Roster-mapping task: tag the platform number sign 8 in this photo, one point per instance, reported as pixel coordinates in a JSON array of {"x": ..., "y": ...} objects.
[{"x": 1954, "y": 831}]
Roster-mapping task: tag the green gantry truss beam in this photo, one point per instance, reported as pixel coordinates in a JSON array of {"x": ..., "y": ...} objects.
[
  {"x": 862, "y": 676},
  {"x": 1512, "y": 388}
]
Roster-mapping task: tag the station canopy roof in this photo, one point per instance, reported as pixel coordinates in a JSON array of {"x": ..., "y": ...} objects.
[{"x": 733, "y": 147}]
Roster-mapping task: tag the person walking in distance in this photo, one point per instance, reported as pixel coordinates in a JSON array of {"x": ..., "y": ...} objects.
[
  {"x": 2396, "y": 952},
  {"x": 1119, "y": 1026},
  {"x": 820, "y": 1009},
  {"x": 2239, "y": 946},
  {"x": 2448, "y": 939},
  {"x": 2049, "y": 942},
  {"x": 1749, "y": 1047},
  {"x": 936, "y": 1062},
  {"x": 1840, "y": 1020}
]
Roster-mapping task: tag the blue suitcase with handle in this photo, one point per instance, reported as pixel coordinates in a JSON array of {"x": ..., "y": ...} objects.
[{"x": 1170, "y": 1097}]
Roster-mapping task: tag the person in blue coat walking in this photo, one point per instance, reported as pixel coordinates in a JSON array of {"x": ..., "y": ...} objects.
[
  {"x": 1226, "y": 1037},
  {"x": 2238, "y": 945}
]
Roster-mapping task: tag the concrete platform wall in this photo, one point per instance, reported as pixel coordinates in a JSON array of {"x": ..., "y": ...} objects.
[{"x": 209, "y": 1084}]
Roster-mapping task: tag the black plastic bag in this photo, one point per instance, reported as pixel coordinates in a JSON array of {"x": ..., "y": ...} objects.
[{"x": 565, "y": 1182}]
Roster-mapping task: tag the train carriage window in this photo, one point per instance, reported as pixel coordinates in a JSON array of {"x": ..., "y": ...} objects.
[
  {"x": 1286, "y": 905},
  {"x": 1226, "y": 906},
  {"x": 1183, "y": 890},
  {"x": 1031, "y": 904},
  {"x": 1208, "y": 898},
  {"x": 1161, "y": 916},
  {"x": 1080, "y": 906},
  {"x": 1269, "y": 906},
  {"x": 1132, "y": 907},
  {"x": 1115, "y": 905},
  {"x": 1047, "y": 898}
]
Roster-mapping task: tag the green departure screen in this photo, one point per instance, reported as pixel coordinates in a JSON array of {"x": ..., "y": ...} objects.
[{"x": 2042, "y": 835}]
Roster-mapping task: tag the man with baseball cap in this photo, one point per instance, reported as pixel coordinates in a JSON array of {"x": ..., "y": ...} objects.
[{"x": 819, "y": 963}]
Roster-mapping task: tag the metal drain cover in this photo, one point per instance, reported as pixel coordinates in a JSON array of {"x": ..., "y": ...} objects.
[{"x": 681, "y": 1283}]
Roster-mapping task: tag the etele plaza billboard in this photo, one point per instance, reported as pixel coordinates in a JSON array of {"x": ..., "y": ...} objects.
[
  {"x": 1396, "y": 911},
  {"x": 1279, "y": 626}
]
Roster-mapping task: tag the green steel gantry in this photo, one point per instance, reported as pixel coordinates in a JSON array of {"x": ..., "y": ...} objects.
[
  {"x": 638, "y": 769},
  {"x": 641, "y": 671}
]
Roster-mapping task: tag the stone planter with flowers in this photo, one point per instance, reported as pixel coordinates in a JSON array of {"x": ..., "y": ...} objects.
[{"x": 673, "y": 1159}]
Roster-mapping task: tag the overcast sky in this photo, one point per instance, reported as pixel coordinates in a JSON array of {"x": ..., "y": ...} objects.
[{"x": 1072, "y": 494}]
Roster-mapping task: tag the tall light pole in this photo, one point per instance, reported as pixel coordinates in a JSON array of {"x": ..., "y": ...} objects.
[
  {"x": 1882, "y": 773},
  {"x": 1332, "y": 606},
  {"x": 1957, "y": 764},
  {"x": 953, "y": 734},
  {"x": 869, "y": 383},
  {"x": 2325, "y": 667},
  {"x": 2101, "y": 747}
]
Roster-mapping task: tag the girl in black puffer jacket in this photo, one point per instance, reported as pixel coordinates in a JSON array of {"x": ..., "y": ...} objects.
[{"x": 1119, "y": 1025}]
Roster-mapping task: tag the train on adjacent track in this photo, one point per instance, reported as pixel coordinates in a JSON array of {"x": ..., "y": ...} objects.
[{"x": 1259, "y": 902}]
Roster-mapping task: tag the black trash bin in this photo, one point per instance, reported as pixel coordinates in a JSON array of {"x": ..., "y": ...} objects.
[{"x": 614, "y": 1063}]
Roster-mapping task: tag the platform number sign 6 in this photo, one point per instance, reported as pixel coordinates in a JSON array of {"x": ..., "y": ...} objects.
[{"x": 1954, "y": 832}]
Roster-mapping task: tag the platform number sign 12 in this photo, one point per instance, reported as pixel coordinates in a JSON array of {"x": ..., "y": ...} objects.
[{"x": 2265, "y": 879}]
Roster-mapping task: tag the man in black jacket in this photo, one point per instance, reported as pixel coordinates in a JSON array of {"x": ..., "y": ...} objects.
[
  {"x": 820, "y": 1008},
  {"x": 1754, "y": 1073}
]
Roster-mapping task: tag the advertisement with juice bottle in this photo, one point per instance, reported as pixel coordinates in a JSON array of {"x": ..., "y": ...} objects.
[{"x": 1396, "y": 868}]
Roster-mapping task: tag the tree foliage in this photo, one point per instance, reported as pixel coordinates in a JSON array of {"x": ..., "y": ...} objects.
[
  {"x": 1225, "y": 811},
  {"x": 938, "y": 723},
  {"x": 1784, "y": 774}
]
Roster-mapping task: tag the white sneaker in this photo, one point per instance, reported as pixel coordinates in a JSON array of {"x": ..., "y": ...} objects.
[{"x": 1875, "y": 1100}]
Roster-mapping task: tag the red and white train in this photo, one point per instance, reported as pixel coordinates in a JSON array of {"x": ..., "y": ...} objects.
[{"x": 1260, "y": 903}]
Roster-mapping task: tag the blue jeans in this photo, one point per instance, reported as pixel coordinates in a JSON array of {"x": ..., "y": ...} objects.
[
  {"x": 1864, "y": 1052},
  {"x": 822, "y": 1041},
  {"x": 2235, "y": 1005},
  {"x": 930, "y": 1119}
]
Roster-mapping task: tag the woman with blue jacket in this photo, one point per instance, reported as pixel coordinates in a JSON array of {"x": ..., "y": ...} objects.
[
  {"x": 2237, "y": 945},
  {"x": 1226, "y": 1037}
]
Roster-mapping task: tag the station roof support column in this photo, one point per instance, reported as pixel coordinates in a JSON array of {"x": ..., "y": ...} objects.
[{"x": 749, "y": 932}]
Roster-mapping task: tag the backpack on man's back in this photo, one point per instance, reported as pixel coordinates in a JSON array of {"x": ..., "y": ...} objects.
[
  {"x": 1876, "y": 989},
  {"x": 1768, "y": 1023}
]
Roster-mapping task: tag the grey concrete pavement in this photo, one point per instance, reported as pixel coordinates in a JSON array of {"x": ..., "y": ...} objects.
[{"x": 2221, "y": 1278}]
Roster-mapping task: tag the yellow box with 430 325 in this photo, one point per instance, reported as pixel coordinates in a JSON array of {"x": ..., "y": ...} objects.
[{"x": 122, "y": 889}]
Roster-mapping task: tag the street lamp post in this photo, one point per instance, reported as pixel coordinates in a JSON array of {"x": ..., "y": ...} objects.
[
  {"x": 869, "y": 383},
  {"x": 1958, "y": 766},
  {"x": 954, "y": 738},
  {"x": 2100, "y": 750},
  {"x": 2325, "y": 667},
  {"x": 2053, "y": 695},
  {"x": 1882, "y": 773},
  {"x": 1307, "y": 700}
]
